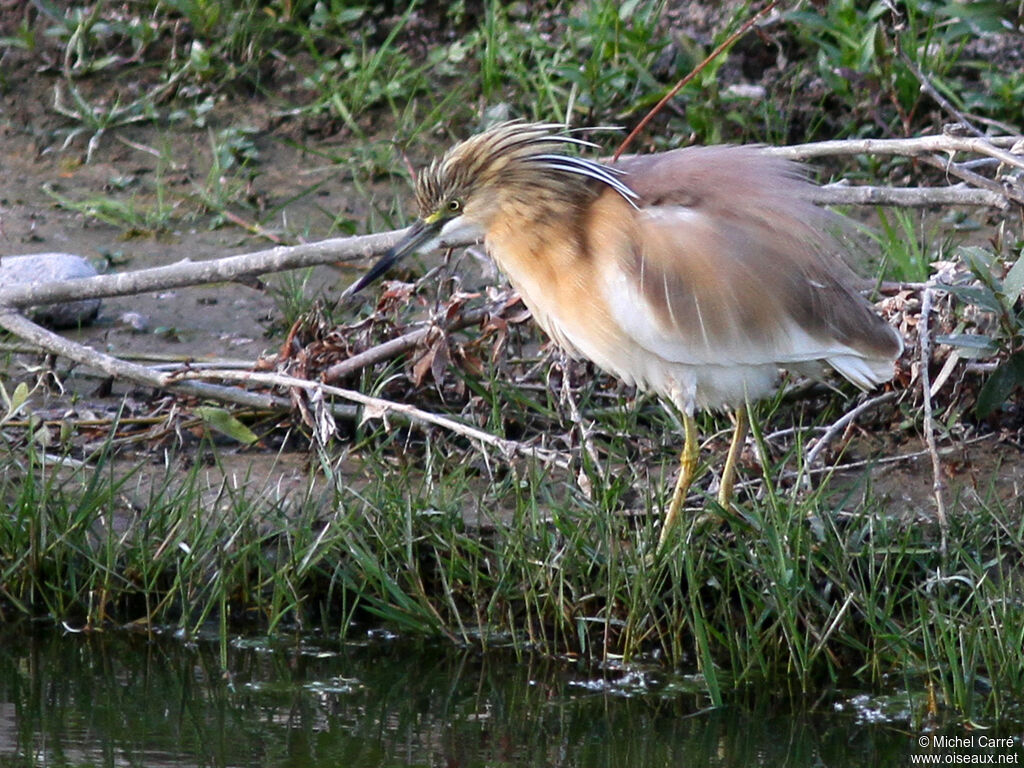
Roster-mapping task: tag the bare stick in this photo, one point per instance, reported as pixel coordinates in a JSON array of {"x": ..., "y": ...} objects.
[
  {"x": 900, "y": 147},
  {"x": 140, "y": 374},
  {"x": 377, "y": 406},
  {"x": 878, "y": 461},
  {"x": 574, "y": 413},
  {"x": 841, "y": 423},
  {"x": 909, "y": 197},
  {"x": 191, "y": 383},
  {"x": 405, "y": 342},
  {"x": 924, "y": 337},
  {"x": 188, "y": 272},
  {"x": 947, "y": 166},
  {"x": 384, "y": 351}
]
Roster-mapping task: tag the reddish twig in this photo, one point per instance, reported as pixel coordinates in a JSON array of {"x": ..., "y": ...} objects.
[{"x": 696, "y": 71}]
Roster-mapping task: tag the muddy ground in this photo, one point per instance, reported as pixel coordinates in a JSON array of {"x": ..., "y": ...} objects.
[{"x": 223, "y": 322}]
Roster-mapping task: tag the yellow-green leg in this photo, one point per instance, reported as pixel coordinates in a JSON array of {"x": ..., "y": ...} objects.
[
  {"x": 729, "y": 470},
  {"x": 687, "y": 469}
]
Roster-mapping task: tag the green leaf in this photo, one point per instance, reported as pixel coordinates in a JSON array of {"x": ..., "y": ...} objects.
[
  {"x": 980, "y": 17},
  {"x": 977, "y": 295},
  {"x": 1013, "y": 283},
  {"x": 979, "y": 259},
  {"x": 1000, "y": 385},
  {"x": 15, "y": 400},
  {"x": 974, "y": 341},
  {"x": 627, "y": 9},
  {"x": 20, "y": 396},
  {"x": 222, "y": 421}
]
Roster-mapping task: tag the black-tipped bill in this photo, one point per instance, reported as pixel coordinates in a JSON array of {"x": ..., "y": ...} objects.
[{"x": 419, "y": 234}]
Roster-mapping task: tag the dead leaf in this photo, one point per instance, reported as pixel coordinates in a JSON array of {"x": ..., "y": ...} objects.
[{"x": 374, "y": 411}]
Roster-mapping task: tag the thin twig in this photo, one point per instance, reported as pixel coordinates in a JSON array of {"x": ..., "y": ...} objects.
[
  {"x": 384, "y": 351},
  {"x": 796, "y": 475},
  {"x": 251, "y": 226},
  {"x": 840, "y": 424},
  {"x": 569, "y": 399},
  {"x": 910, "y": 197},
  {"x": 941, "y": 100},
  {"x": 997, "y": 124},
  {"x": 924, "y": 337},
  {"x": 378, "y": 407},
  {"x": 693, "y": 73},
  {"x": 401, "y": 344},
  {"x": 157, "y": 358},
  {"x": 914, "y": 147},
  {"x": 946, "y": 165},
  {"x": 140, "y": 374},
  {"x": 186, "y": 272}
]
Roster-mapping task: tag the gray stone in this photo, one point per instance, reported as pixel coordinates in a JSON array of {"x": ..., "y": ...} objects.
[
  {"x": 47, "y": 267},
  {"x": 135, "y": 321}
]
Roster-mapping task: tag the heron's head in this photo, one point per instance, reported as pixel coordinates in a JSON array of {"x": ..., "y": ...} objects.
[{"x": 509, "y": 169}]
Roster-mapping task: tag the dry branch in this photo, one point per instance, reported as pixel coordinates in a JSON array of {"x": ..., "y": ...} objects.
[
  {"x": 378, "y": 407},
  {"x": 840, "y": 424},
  {"x": 194, "y": 383},
  {"x": 992, "y": 146},
  {"x": 909, "y": 197},
  {"x": 407, "y": 341},
  {"x": 188, "y": 272},
  {"x": 959, "y": 170},
  {"x": 924, "y": 339},
  {"x": 140, "y": 374}
]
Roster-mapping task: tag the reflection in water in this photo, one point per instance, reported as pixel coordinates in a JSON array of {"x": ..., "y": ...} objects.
[{"x": 119, "y": 699}]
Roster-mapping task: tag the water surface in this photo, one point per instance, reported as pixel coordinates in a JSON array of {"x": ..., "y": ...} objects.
[{"x": 122, "y": 699}]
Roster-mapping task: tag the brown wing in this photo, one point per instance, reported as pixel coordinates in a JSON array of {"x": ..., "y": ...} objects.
[{"x": 732, "y": 264}]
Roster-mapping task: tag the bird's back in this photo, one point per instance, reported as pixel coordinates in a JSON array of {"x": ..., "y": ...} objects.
[{"x": 719, "y": 274}]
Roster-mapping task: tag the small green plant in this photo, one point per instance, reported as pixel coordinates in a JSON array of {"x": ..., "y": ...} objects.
[
  {"x": 866, "y": 54},
  {"x": 24, "y": 37},
  {"x": 999, "y": 94},
  {"x": 87, "y": 50},
  {"x": 291, "y": 295},
  {"x": 615, "y": 48},
  {"x": 13, "y": 402},
  {"x": 1002, "y": 339},
  {"x": 350, "y": 84},
  {"x": 233, "y": 167},
  {"x": 903, "y": 241},
  {"x": 139, "y": 215}
]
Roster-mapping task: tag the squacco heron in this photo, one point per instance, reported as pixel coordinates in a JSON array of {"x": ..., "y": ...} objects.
[{"x": 697, "y": 273}]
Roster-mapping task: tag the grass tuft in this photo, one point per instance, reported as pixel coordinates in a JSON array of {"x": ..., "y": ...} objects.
[{"x": 803, "y": 593}]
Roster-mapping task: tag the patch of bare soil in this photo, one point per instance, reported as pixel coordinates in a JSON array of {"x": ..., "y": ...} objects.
[
  {"x": 150, "y": 176},
  {"x": 162, "y": 223},
  {"x": 976, "y": 474}
]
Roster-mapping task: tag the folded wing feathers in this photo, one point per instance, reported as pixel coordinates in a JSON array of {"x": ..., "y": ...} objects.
[{"x": 749, "y": 279}]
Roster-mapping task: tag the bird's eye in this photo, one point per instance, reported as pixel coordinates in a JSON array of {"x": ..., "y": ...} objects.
[{"x": 454, "y": 205}]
